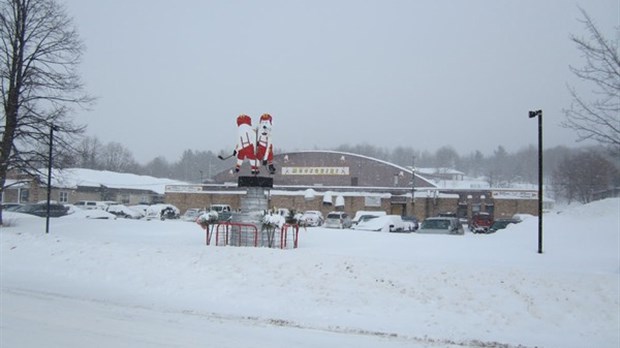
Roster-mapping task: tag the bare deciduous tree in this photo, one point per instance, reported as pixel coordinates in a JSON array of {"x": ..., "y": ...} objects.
[
  {"x": 596, "y": 119},
  {"x": 115, "y": 157},
  {"x": 579, "y": 176},
  {"x": 88, "y": 152},
  {"x": 39, "y": 55}
]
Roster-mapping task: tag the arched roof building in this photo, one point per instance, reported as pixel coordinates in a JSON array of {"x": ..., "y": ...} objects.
[
  {"x": 335, "y": 170},
  {"x": 333, "y": 180}
]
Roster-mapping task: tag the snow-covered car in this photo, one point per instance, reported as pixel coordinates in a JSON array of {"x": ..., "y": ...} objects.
[
  {"x": 224, "y": 211},
  {"x": 192, "y": 214},
  {"x": 79, "y": 213},
  {"x": 441, "y": 225},
  {"x": 41, "y": 209},
  {"x": 124, "y": 211},
  {"x": 162, "y": 212},
  {"x": 481, "y": 222},
  {"x": 385, "y": 223},
  {"x": 90, "y": 205},
  {"x": 11, "y": 206},
  {"x": 411, "y": 223},
  {"x": 312, "y": 218},
  {"x": 337, "y": 219},
  {"x": 500, "y": 224},
  {"x": 363, "y": 215}
]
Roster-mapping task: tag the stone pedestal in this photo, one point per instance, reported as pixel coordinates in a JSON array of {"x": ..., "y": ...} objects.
[{"x": 251, "y": 209}]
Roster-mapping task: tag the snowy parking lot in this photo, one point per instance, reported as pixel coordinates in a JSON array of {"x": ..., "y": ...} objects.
[{"x": 135, "y": 283}]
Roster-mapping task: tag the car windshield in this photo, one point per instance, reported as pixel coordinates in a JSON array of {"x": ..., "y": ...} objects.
[
  {"x": 501, "y": 224},
  {"x": 11, "y": 207},
  {"x": 367, "y": 217},
  {"x": 333, "y": 216},
  {"x": 436, "y": 224},
  {"x": 26, "y": 208}
]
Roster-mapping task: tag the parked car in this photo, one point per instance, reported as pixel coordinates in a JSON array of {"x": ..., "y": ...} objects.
[
  {"x": 91, "y": 205},
  {"x": 224, "y": 211},
  {"x": 441, "y": 225},
  {"x": 500, "y": 224},
  {"x": 124, "y": 211},
  {"x": 337, "y": 219},
  {"x": 40, "y": 209},
  {"x": 411, "y": 223},
  {"x": 363, "y": 215},
  {"x": 312, "y": 218},
  {"x": 11, "y": 206},
  {"x": 192, "y": 214},
  {"x": 385, "y": 223},
  {"x": 162, "y": 212},
  {"x": 480, "y": 222},
  {"x": 447, "y": 214}
]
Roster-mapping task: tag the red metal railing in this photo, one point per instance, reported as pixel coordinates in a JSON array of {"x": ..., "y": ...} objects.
[
  {"x": 284, "y": 235},
  {"x": 237, "y": 234},
  {"x": 243, "y": 234}
]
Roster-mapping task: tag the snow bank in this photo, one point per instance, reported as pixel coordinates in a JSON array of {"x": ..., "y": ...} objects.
[{"x": 134, "y": 283}]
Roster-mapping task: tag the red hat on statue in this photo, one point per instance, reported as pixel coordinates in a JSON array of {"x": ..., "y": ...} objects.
[
  {"x": 244, "y": 119},
  {"x": 266, "y": 117}
]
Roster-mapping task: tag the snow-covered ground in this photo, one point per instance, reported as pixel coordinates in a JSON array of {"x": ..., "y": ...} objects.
[{"x": 135, "y": 283}]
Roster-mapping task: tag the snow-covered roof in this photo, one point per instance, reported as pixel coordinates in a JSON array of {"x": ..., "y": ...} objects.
[
  {"x": 404, "y": 169},
  {"x": 74, "y": 177},
  {"x": 442, "y": 170},
  {"x": 463, "y": 184}
]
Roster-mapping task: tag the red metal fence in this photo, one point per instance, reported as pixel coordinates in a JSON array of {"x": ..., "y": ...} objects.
[{"x": 244, "y": 234}]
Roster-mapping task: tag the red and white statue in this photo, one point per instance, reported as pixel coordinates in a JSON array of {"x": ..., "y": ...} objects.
[
  {"x": 264, "y": 147},
  {"x": 246, "y": 138}
]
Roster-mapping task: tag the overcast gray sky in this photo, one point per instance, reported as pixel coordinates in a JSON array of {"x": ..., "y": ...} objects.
[{"x": 173, "y": 75}]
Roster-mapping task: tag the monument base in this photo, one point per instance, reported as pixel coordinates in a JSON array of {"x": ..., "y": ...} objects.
[{"x": 255, "y": 181}]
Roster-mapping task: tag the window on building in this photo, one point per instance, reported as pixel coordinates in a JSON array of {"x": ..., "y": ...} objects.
[
  {"x": 24, "y": 196},
  {"x": 372, "y": 201},
  {"x": 490, "y": 208},
  {"x": 63, "y": 197},
  {"x": 461, "y": 210}
]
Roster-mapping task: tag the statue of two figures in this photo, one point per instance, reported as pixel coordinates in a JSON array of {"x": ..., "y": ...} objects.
[{"x": 254, "y": 144}]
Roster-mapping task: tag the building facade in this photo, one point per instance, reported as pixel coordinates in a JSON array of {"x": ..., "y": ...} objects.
[{"x": 332, "y": 180}]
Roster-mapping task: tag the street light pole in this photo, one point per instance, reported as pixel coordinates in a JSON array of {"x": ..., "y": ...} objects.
[
  {"x": 413, "y": 186},
  {"x": 49, "y": 178},
  {"x": 539, "y": 114}
]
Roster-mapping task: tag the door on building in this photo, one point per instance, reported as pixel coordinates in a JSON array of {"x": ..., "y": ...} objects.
[{"x": 397, "y": 209}]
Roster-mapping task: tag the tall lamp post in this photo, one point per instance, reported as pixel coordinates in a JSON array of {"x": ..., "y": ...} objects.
[
  {"x": 539, "y": 114},
  {"x": 49, "y": 178},
  {"x": 413, "y": 186}
]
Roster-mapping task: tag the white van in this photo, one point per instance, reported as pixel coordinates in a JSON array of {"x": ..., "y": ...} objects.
[{"x": 363, "y": 215}]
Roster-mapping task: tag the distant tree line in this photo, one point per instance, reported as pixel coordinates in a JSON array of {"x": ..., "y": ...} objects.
[{"x": 569, "y": 174}]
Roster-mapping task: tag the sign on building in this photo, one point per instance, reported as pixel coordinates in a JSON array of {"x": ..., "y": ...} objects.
[{"x": 315, "y": 170}]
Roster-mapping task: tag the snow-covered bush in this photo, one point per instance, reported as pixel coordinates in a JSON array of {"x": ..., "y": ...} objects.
[
  {"x": 271, "y": 220},
  {"x": 207, "y": 218}
]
